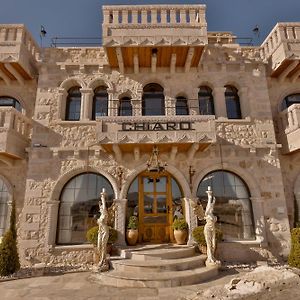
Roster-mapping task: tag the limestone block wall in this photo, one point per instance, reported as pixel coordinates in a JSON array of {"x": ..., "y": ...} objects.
[
  {"x": 68, "y": 148},
  {"x": 290, "y": 163}
]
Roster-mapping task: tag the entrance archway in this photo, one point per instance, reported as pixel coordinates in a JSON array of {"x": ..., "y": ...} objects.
[{"x": 156, "y": 199}]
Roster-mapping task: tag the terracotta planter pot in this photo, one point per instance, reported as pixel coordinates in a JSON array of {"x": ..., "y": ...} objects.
[
  {"x": 180, "y": 236},
  {"x": 132, "y": 236}
]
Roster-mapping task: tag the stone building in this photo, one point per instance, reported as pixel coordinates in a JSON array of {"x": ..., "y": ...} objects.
[{"x": 156, "y": 114}]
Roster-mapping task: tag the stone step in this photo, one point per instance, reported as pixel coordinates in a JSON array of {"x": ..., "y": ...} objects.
[
  {"x": 157, "y": 279},
  {"x": 180, "y": 264},
  {"x": 164, "y": 253}
]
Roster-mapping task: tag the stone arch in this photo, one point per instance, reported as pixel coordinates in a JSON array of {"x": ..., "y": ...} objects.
[
  {"x": 100, "y": 81},
  {"x": 154, "y": 80},
  {"x": 70, "y": 82},
  {"x": 246, "y": 176},
  {"x": 17, "y": 96},
  {"x": 207, "y": 83},
  {"x": 286, "y": 92},
  {"x": 233, "y": 83},
  {"x": 127, "y": 93},
  {"x": 61, "y": 182},
  {"x": 9, "y": 186},
  {"x": 170, "y": 168}
]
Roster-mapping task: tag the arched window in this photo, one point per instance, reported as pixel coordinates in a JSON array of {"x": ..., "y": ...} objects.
[
  {"x": 125, "y": 107},
  {"x": 232, "y": 103},
  {"x": 79, "y": 207},
  {"x": 290, "y": 100},
  {"x": 233, "y": 207},
  {"x": 206, "y": 101},
  {"x": 4, "y": 198},
  {"x": 73, "y": 104},
  {"x": 153, "y": 103},
  {"x": 181, "y": 106},
  {"x": 9, "y": 101},
  {"x": 100, "y": 102}
]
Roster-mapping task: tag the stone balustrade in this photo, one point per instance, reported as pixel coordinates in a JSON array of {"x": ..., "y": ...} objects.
[
  {"x": 157, "y": 19},
  {"x": 288, "y": 123},
  {"x": 17, "y": 46},
  {"x": 282, "y": 43},
  {"x": 221, "y": 37},
  {"x": 15, "y": 131}
]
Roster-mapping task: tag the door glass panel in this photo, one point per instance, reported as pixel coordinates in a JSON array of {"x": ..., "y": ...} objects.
[
  {"x": 148, "y": 185},
  {"x": 155, "y": 219},
  {"x": 161, "y": 184},
  {"x": 148, "y": 203},
  {"x": 161, "y": 204}
]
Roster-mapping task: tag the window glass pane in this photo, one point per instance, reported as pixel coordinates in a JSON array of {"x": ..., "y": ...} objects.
[
  {"x": 4, "y": 197},
  {"x": 8, "y": 101},
  {"x": 125, "y": 108},
  {"x": 100, "y": 103},
  {"x": 79, "y": 207},
  {"x": 206, "y": 101},
  {"x": 233, "y": 206},
  {"x": 161, "y": 204},
  {"x": 232, "y": 103},
  {"x": 153, "y": 103},
  {"x": 161, "y": 184},
  {"x": 148, "y": 184},
  {"x": 148, "y": 203},
  {"x": 290, "y": 100},
  {"x": 181, "y": 106}
]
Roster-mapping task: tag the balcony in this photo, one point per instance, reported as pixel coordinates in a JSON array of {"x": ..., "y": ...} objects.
[
  {"x": 151, "y": 36},
  {"x": 281, "y": 50},
  {"x": 18, "y": 54},
  {"x": 167, "y": 132},
  {"x": 289, "y": 128},
  {"x": 14, "y": 134}
]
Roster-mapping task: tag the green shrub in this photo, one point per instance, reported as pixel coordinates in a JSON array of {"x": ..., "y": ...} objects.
[
  {"x": 198, "y": 235},
  {"x": 294, "y": 257},
  {"x": 133, "y": 223},
  {"x": 9, "y": 258},
  {"x": 92, "y": 235},
  {"x": 180, "y": 224}
]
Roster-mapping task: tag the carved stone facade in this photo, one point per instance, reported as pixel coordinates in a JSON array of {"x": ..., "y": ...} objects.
[{"x": 53, "y": 149}]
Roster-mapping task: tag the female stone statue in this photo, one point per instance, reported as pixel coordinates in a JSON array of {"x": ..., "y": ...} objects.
[
  {"x": 210, "y": 229},
  {"x": 103, "y": 234}
]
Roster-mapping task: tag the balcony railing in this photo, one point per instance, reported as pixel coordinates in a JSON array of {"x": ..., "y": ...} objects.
[
  {"x": 15, "y": 129},
  {"x": 122, "y": 22},
  {"x": 288, "y": 123}
]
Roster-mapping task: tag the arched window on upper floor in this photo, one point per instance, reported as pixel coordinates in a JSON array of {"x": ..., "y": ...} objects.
[
  {"x": 79, "y": 206},
  {"x": 100, "y": 102},
  {"x": 153, "y": 102},
  {"x": 125, "y": 107},
  {"x": 290, "y": 100},
  {"x": 73, "y": 104},
  {"x": 4, "y": 198},
  {"x": 181, "y": 106},
  {"x": 232, "y": 100},
  {"x": 233, "y": 206},
  {"x": 206, "y": 101},
  {"x": 9, "y": 101}
]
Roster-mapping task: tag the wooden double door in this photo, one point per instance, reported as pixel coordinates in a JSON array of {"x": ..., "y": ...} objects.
[{"x": 155, "y": 208}]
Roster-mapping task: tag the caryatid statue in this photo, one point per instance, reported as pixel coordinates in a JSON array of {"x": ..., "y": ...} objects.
[
  {"x": 210, "y": 229},
  {"x": 103, "y": 234}
]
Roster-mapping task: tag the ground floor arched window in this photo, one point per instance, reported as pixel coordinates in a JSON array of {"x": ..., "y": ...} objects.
[
  {"x": 233, "y": 206},
  {"x": 79, "y": 209},
  {"x": 4, "y": 198}
]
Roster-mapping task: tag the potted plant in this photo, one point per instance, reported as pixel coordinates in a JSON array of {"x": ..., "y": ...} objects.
[
  {"x": 180, "y": 227},
  {"x": 92, "y": 237},
  {"x": 132, "y": 232},
  {"x": 198, "y": 235}
]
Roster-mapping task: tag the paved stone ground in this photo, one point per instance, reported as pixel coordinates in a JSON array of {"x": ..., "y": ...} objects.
[{"x": 77, "y": 286}]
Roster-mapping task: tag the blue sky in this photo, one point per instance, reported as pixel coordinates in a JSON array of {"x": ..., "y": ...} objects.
[{"x": 82, "y": 18}]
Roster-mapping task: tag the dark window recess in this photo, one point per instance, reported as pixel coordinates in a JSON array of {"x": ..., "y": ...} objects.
[
  {"x": 290, "y": 100},
  {"x": 73, "y": 104},
  {"x": 153, "y": 102},
  {"x": 8, "y": 101},
  {"x": 232, "y": 103},
  {"x": 206, "y": 101},
  {"x": 100, "y": 102},
  {"x": 181, "y": 106},
  {"x": 125, "y": 107}
]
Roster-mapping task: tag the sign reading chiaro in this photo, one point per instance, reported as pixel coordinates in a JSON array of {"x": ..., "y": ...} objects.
[{"x": 156, "y": 126}]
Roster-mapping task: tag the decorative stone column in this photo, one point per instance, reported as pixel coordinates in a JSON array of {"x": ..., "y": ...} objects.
[
  {"x": 170, "y": 106},
  {"x": 259, "y": 220},
  {"x": 136, "y": 107},
  {"x": 52, "y": 216},
  {"x": 190, "y": 218},
  {"x": 120, "y": 219},
  {"x": 219, "y": 102},
  {"x": 193, "y": 102},
  {"x": 87, "y": 99}
]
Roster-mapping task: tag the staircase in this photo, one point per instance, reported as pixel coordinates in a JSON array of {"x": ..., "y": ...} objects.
[{"x": 158, "y": 266}]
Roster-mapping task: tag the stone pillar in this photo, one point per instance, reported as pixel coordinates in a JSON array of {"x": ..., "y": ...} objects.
[
  {"x": 193, "y": 102},
  {"x": 190, "y": 218},
  {"x": 259, "y": 220},
  {"x": 62, "y": 101},
  {"x": 219, "y": 102},
  {"x": 52, "y": 216},
  {"x": 120, "y": 221},
  {"x": 136, "y": 107},
  {"x": 86, "y": 104},
  {"x": 244, "y": 102},
  {"x": 170, "y": 106}
]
